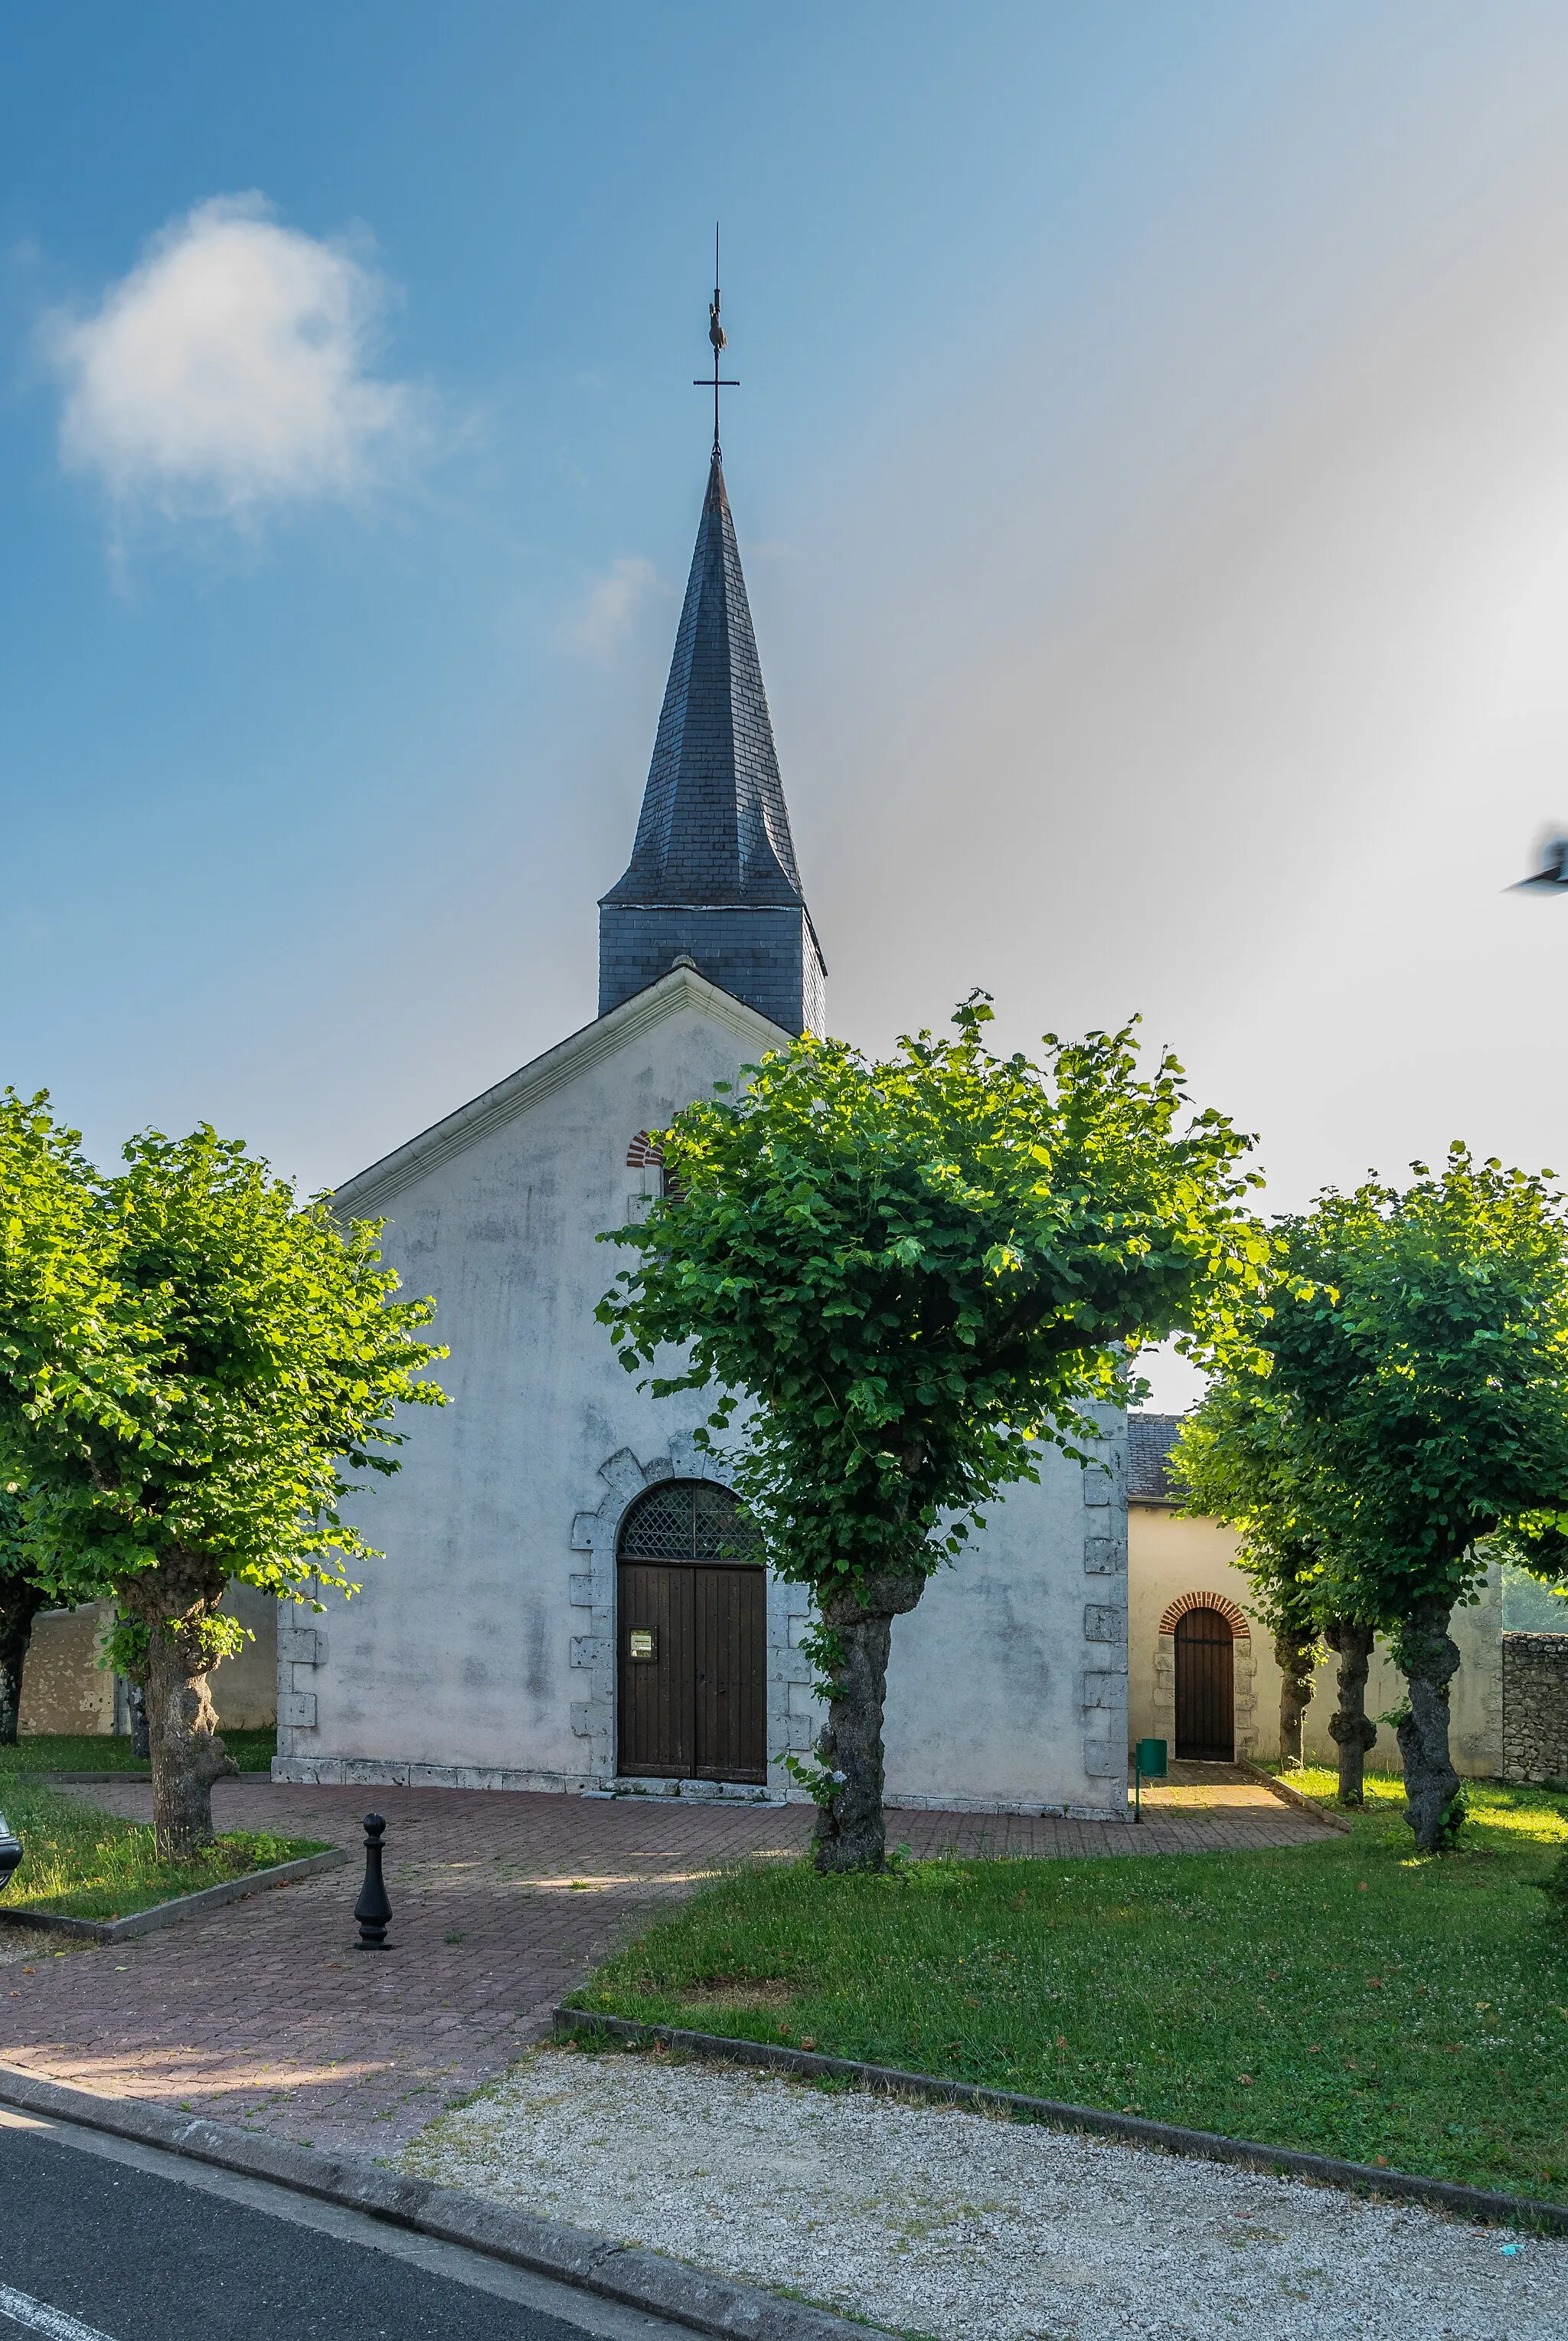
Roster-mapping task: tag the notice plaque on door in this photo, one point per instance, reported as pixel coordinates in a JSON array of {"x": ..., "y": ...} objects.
[{"x": 642, "y": 1643}]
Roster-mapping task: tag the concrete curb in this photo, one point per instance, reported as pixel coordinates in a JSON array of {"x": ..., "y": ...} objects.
[
  {"x": 637, "y": 2279},
  {"x": 1296, "y": 1797},
  {"x": 1275, "y": 2161},
  {"x": 184, "y": 1906}
]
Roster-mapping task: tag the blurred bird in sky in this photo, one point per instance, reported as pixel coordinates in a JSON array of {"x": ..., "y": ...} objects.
[{"x": 1552, "y": 878}]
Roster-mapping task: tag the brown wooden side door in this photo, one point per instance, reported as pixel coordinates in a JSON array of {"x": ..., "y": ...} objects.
[{"x": 1205, "y": 1690}]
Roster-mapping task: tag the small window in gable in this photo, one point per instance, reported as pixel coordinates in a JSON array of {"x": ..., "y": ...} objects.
[{"x": 643, "y": 1154}]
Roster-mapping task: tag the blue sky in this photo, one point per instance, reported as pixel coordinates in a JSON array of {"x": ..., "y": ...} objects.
[{"x": 1151, "y": 469}]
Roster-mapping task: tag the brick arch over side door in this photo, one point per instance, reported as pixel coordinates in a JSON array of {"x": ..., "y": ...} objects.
[
  {"x": 1243, "y": 1670},
  {"x": 1237, "y": 1620}
]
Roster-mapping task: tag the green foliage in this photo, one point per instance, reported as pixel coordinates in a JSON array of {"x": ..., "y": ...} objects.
[
  {"x": 1555, "y": 1886},
  {"x": 80, "y": 1863},
  {"x": 911, "y": 1271},
  {"x": 124, "y": 1647},
  {"x": 190, "y": 1358},
  {"x": 1530, "y": 1605},
  {"x": 1414, "y": 1404},
  {"x": 1340, "y": 1997},
  {"x": 1237, "y": 1460},
  {"x": 1455, "y": 1816},
  {"x": 11, "y": 1551},
  {"x": 1420, "y": 1341}
]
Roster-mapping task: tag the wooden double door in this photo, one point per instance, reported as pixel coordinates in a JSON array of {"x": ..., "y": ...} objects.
[
  {"x": 691, "y": 1636},
  {"x": 1204, "y": 1688}
]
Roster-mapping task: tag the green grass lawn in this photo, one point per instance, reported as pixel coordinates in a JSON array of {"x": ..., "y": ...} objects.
[
  {"x": 51, "y": 1752},
  {"x": 83, "y": 1864},
  {"x": 1348, "y": 1997}
]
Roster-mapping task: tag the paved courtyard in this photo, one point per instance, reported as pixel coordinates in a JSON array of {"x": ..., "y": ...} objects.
[{"x": 264, "y": 2013}]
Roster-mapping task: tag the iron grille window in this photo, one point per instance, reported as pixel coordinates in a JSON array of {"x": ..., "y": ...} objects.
[{"x": 688, "y": 1520}]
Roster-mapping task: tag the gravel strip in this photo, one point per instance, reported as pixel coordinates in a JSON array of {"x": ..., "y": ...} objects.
[{"x": 932, "y": 2221}]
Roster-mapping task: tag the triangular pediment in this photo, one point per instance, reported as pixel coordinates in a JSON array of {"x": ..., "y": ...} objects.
[{"x": 681, "y": 992}]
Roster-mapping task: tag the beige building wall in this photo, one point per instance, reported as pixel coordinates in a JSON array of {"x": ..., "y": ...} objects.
[
  {"x": 245, "y": 1687},
  {"x": 1171, "y": 1558},
  {"x": 65, "y": 1690},
  {"x": 64, "y": 1687}
]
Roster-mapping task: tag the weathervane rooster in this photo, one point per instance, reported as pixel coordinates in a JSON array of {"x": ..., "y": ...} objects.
[{"x": 719, "y": 339}]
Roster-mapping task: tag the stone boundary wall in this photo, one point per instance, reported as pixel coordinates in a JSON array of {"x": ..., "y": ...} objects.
[
  {"x": 65, "y": 1690},
  {"x": 1535, "y": 1707}
]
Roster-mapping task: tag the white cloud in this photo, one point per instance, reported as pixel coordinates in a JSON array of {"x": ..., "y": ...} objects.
[
  {"x": 227, "y": 373},
  {"x": 612, "y": 607}
]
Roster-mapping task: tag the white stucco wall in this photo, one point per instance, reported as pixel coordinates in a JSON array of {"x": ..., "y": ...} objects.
[
  {"x": 1008, "y": 1686},
  {"x": 482, "y": 1650},
  {"x": 458, "y": 1651},
  {"x": 1170, "y": 1556}
]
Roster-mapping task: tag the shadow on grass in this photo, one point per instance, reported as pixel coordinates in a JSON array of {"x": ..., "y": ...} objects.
[
  {"x": 80, "y": 1863},
  {"x": 81, "y": 1752}
]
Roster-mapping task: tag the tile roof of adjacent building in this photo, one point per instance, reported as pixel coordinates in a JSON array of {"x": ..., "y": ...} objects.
[
  {"x": 714, "y": 829},
  {"x": 1150, "y": 1438}
]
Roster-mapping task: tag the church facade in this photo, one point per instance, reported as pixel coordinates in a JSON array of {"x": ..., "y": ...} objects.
[{"x": 561, "y": 1605}]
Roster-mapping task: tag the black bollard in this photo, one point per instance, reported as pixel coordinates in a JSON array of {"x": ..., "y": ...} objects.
[
  {"x": 10, "y": 1852},
  {"x": 373, "y": 1909}
]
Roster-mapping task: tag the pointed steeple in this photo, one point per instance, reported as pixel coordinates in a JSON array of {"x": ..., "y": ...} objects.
[{"x": 713, "y": 875}]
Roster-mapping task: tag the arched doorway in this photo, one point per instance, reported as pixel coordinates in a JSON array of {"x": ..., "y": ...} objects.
[
  {"x": 692, "y": 1639},
  {"x": 1204, "y": 1688}
]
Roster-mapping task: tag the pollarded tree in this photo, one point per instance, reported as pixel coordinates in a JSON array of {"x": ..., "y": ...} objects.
[
  {"x": 1242, "y": 1460},
  {"x": 190, "y": 1360},
  {"x": 910, "y": 1273},
  {"x": 1422, "y": 1340}
]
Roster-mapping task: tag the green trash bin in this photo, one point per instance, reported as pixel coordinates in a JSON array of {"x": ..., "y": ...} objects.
[{"x": 1148, "y": 1764}]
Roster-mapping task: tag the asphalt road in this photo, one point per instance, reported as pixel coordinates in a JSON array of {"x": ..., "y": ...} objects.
[{"x": 105, "y": 2241}]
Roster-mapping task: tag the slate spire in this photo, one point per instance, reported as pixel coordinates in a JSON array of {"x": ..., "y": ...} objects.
[{"x": 713, "y": 875}]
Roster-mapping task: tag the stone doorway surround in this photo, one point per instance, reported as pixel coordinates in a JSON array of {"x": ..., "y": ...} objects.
[
  {"x": 1245, "y": 1677},
  {"x": 793, "y": 1715}
]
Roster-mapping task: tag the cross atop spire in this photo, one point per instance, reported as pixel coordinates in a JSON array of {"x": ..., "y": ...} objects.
[{"x": 720, "y": 341}]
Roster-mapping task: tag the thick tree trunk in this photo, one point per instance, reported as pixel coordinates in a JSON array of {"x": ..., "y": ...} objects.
[
  {"x": 19, "y": 1605},
  {"x": 1348, "y": 1727},
  {"x": 187, "y": 1754},
  {"x": 1430, "y": 1658},
  {"x": 851, "y": 1828},
  {"x": 175, "y": 1601},
  {"x": 1296, "y": 1657}
]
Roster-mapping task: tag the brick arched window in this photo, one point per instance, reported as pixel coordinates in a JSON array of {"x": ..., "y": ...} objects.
[{"x": 645, "y": 1154}]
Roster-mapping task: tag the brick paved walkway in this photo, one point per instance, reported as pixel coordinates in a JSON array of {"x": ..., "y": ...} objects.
[{"x": 264, "y": 2013}]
